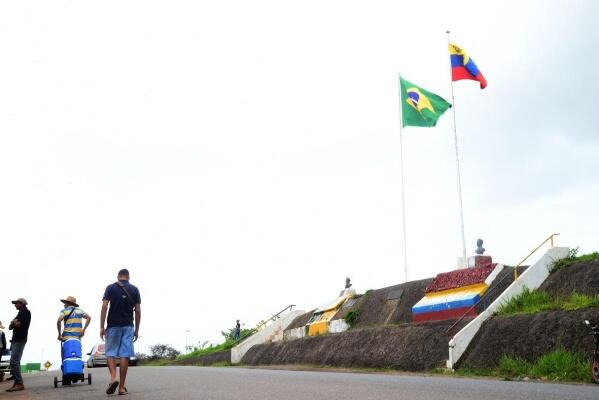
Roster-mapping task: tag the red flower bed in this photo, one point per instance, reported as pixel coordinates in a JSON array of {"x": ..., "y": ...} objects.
[{"x": 460, "y": 278}]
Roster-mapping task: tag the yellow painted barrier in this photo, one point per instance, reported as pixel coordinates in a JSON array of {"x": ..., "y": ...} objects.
[
  {"x": 477, "y": 288},
  {"x": 318, "y": 328},
  {"x": 320, "y": 325}
]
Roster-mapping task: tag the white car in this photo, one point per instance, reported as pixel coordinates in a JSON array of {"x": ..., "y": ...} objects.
[
  {"x": 97, "y": 357},
  {"x": 4, "y": 362}
]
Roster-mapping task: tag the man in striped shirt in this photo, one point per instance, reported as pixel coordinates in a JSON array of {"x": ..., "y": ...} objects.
[{"x": 72, "y": 317}]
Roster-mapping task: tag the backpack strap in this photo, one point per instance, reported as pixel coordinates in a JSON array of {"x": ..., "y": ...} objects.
[
  {"x": 69, "y": 315},
  {"x": 122, "y": 286},
  {"x": 67, "y": 318}
]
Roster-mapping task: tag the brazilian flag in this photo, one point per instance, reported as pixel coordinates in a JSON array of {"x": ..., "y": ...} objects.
[{"x": 419, "y": 107}]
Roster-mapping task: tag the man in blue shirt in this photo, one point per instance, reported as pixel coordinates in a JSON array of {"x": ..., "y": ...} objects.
[{"x": 124, "y": 299}]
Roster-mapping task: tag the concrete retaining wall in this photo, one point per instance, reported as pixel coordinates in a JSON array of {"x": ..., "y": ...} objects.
[
  {"x": 295, "y": 333},
  {"x": 406, "y": 347}
]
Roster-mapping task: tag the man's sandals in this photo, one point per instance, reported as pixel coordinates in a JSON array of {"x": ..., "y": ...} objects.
[{"x": 112, "y": 387}]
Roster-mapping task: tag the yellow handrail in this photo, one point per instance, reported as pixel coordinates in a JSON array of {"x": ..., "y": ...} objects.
[{"x": 549, "y": 239}]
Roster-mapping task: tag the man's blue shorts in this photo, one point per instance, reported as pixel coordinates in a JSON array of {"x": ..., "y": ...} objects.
[{"x": 119, "y": 342}]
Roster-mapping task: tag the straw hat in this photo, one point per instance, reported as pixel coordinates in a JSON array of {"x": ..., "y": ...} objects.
[{"x": 70, "y": 301}]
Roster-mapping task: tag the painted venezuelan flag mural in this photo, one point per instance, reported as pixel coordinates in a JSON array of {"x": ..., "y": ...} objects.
[{"x": 453, "y": 294}]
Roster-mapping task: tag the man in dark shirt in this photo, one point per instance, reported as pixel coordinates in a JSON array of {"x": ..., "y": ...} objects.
[
  {"x": 20, "y": 328},
  {"x": 2, "y": 347},
  {"x": 124, "y": 298},
  {"x": 237, "y": 331}
]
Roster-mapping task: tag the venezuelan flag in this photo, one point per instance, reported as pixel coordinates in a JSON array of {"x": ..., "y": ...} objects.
[
  {"x": 463, "y": 67},
  {"x": 449, "y": 304}
]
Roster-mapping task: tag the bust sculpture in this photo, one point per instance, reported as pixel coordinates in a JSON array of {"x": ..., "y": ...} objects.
[
  {"x": 479, "y": 247},
  {"x": 347, "y": 283}
]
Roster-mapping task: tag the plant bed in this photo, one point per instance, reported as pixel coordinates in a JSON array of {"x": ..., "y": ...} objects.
[{"x": 460, "y": 278}]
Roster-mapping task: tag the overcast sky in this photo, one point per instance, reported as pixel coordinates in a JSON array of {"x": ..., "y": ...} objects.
[{"x": 241, "y": 156}]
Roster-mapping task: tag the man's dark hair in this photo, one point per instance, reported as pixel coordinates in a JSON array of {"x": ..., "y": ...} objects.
[{"x": 124, "y": 272}]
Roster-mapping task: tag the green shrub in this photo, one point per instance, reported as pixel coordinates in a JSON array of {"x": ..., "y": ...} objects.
[
  {"x": 513, "y": 367},
  {"x": 243, "y": 334},
  {"x": 562, "y": 365},
  {"x": 558, "y": 365},
  {"x": 351, "y": 317}
]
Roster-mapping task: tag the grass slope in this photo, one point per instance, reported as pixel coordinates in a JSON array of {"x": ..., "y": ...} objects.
[
  {"x": 559, "y": 365},
  {"x": 534, "y": 301},
  {"x": 226, "y": 345},
  {"x": 574, "y": 258}
]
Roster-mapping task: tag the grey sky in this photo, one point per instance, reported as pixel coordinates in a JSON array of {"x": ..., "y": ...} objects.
[{"x": 242, "y": 156}]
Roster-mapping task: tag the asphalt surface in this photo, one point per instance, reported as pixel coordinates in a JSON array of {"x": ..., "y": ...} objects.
[{"x": 151, "y": 383}]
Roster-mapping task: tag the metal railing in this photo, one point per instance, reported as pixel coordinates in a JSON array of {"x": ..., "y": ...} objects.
[
  {"x": 498, "y": 285},
  {"x": 274, "y": 317},
  {"x": 549, "y": 239},
  {"x": 266, "y": 321}
]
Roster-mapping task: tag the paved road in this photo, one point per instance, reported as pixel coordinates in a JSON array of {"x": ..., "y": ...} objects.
[{"x": 160, "y": 383}]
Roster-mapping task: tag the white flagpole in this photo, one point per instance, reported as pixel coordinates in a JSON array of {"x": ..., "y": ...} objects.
[
  {"x": 457, "y": 162},
  {"x": 403, "y": 197}
]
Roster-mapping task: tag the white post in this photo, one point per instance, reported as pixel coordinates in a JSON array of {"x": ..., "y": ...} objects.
[
  {"x": 457, "y": 163},
  {"x": 403, "y": 197}
]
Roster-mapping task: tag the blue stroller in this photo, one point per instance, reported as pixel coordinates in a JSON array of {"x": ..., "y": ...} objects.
[{"x": 72, "y": 364}]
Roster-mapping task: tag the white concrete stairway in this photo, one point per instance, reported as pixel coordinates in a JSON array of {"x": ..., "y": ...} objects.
[
  {"x": 532, "y": 278},
  {"x": 273, "y": 332}
]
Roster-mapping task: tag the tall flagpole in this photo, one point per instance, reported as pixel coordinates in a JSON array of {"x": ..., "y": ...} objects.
[
  {"x": 403, "y": 197},
  {"x": 457, "y": 162}
]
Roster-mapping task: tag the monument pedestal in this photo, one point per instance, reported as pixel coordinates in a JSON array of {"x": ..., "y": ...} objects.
[{"x": 479, "y": 261}]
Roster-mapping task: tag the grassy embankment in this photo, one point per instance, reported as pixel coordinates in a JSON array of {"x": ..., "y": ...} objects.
[
  {"x": 534, "y": 301},
  {"x": 226, "y": 345},
  {"x": 229, "y": 343},
  {"x": 160, "y": 362},
  {"x": 560, "y": 364}
]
